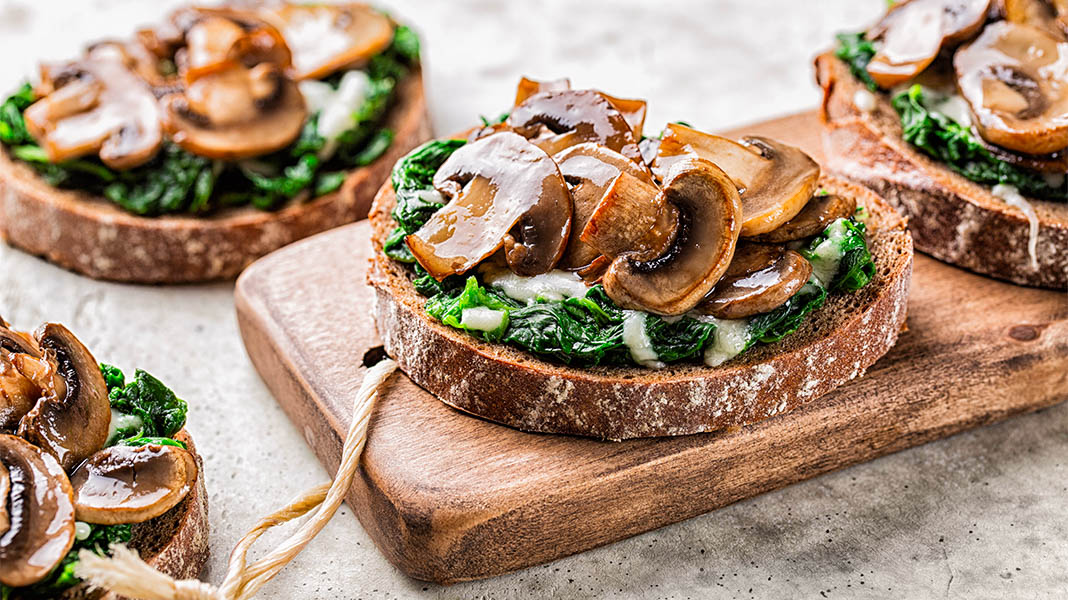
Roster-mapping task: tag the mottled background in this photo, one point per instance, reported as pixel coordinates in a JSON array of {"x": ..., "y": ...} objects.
[{"x": 982, "y": 515}]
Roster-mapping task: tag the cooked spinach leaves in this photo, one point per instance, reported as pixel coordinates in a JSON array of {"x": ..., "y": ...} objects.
[
  {"x": 146, "y": 407},
  {"x": 958, "y": 147},
  {"x": 857, "y": 51}
]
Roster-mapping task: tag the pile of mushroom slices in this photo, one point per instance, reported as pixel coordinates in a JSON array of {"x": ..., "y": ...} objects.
[
  {"x": 1007, "y": 61},
  {"x": 687, "y": 222},
  {"x": 56, "y": 473},
  {"x": 220, "y": 82}
]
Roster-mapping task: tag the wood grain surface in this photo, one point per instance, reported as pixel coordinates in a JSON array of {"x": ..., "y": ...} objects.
[{"x": 447, "y": 497}]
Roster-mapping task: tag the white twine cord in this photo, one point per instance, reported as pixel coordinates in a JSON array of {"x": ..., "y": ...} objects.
[{"x": 127, "y": 575}]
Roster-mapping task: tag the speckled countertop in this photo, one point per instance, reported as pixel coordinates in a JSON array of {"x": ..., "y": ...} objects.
[{"x": 981, "y": 515}]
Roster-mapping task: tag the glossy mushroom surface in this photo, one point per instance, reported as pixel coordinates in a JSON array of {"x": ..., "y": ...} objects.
[
  {"x": 72, "y": 419},
  {"x": 1012, "y": 77},
  {"x": 912, "y": 34},
  {"x": 528, "y": 87},
  {"x": 557, "y": 120},
  {"x": 96, "y": 105},
  {"x": 124, "y": 484},
  {"x": 818, "y": 213},
  {"x": 237, "y": 100},
  {"x": 325, "y": 38},
  {"x": 18, "y": 393},
  {"x": 40, "y": 513},
  {"x": 775, "y": 180},
  {"x": 760, "y": 279},
  {"x": 590, "y": 169},
  {"x": 709, "y": 222},
  {"x": 505, "y": 192}
]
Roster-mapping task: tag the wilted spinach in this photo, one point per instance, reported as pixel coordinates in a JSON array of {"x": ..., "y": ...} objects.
[
  {"x": 857, "y": 51},
  {"x": 955, "y": 145},
  {"x": 62, "y": 578},
  {"x": 159, "y": 413}
]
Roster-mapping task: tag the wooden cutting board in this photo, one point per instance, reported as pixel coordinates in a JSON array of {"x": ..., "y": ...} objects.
[{"x": 448, "y": 497}]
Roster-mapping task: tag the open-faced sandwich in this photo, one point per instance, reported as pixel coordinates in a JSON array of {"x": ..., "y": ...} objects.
[
  {"x": 88, "y": 459},
  {"x": 194, "y": 148},
  {"x": 557, "y": 271},
  {"x": 956, "y": 111}
]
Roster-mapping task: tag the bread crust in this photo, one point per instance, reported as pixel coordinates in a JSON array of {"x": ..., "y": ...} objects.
[
  {"x": 91, "y": 236},
  {"x": 512, "y": 387},
  {"x": 175, "y": 543},
  {"x": 951, "y": 218}
]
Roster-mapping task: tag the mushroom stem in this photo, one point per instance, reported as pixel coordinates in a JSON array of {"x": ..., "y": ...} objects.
[{"x": 632, "y": 216}]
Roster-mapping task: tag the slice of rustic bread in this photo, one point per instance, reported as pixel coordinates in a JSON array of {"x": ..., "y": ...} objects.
[
  {"x": 175, "y": 543},
  {"x": 92, "y": 236},
  {"x": 951, "y": 218},
  {"x": 500, "y": 383}
]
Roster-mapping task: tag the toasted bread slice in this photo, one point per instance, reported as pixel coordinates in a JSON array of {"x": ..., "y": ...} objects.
[
  {"x": 951, "y": 218},
  {"x": 175, "y": 543},
  {"x": 90, "y": 235},
  {"x": 500, "y": 383}
]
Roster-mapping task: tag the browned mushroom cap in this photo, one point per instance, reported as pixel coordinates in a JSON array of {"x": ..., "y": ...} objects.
[
  {"x": 124, "y": 484},
  {"x": 40, "y": 510},
  {"x": 589, "y": 169},
  {"x": 18, "y": 394},
  {"x": 775, "y": 180},
  {"x": 557, "y": 120},
  {"x": 72, "y": 419},
  {"x": 912, "y": 33},
  {"x": 529, "y": 87},
  {"x": 632, "y": 218},
  {"x": 760, "y": 279},
  {"x": 5, "y": 492},
  {"x": 1013, "y": 80},
  {"x": 503, "y": 191},
  {"x": 1044, "y": 14},
  {"x": 325, "y": 38},
  {"x": 96, "y": 105},
  {"x": 633, "y": 111},
  {"x": 216, "y": 39},
  {"x": 709, "y": 221},
  {"x": 820, "y": 212},
  {"x": 236, "y": 113}
]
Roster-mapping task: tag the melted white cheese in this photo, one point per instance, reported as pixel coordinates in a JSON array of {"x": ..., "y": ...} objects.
[
  {"x": 637, "y": 340},
  {"x": 82, "y": 530},
  {"x": 955, "y": 108},
  {"x": 482, "y": 318},
  {"x": 553, "y": 286},
  {"x": 1012, "y": 197},
  {"x": 828, "y": 254},
  {"x": 864, "y": 100},
  {"x": 336, "y": 108},
  {"x": 122, "y": 421},
  {"x": 728, "y": 341}
]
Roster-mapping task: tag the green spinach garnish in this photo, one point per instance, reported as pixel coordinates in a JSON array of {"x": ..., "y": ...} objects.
[
  {"x": 955, "y": 145},
  {"x": 156, "y": 411},
  {"x": 857, "y": 51}
]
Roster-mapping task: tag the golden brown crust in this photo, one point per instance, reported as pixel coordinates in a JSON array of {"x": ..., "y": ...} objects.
[
  {"x": 90, "y": 235},
  {"x": 175, "y": 543},
  {"x": 509, "y": 386},
  {"x": 951, "y": 218}
]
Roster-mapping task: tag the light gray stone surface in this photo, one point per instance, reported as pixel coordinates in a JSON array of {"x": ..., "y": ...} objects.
[{"x": 982, "y": 515}]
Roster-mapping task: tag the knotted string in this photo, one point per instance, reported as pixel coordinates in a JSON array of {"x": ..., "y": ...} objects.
[{"x": 127, "y": 575}]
